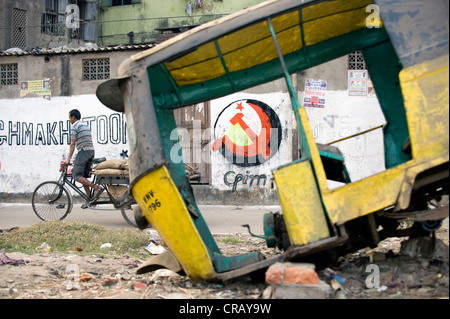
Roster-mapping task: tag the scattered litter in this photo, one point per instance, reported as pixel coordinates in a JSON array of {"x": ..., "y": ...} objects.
[
  {"x": 139, "y": 286},
  {"x": 226, "y": 293},
  {"x": 86, "y": 277},
  {"x": 154, "y": 249},
  {"x": 106, "y": 245},
  {"x": 110, "y": 282},
  {"x": 163, "y": 273},
  {"x": 336, "y": 280},
  {"x": 153, "y": 235},
  {"x": 382, "y": 288},
  {"x": 4, "y": 260},
  {"x": 44, "y": 247}
]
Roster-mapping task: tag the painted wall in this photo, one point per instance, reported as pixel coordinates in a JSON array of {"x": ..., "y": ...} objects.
[
  {"x": 269, "y": 117},
  {"x": 142, "y": 18},
  {"x": 34, "y": 135},
  {"x": 344, "y": 116},
  {"x": 341, "y": 116},
  {"x": 34, "y": 132},
  {"x": 64, "y": 71}
]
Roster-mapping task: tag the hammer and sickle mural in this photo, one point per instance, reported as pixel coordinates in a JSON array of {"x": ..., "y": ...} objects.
[{"x": 247, "y": 133}]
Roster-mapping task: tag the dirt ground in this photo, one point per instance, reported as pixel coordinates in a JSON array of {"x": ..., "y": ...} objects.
[{"x": 406, "y": 271}]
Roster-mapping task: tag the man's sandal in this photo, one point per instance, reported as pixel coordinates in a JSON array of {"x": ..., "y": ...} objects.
[
  {"x": 97, "y": 194},
  {"x": 84, "y": 206}
]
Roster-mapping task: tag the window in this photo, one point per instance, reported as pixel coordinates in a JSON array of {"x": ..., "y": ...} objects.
[
  {"x": 120, "y": 2},
  {"x": 96, "y": 69},
  {"x": 53, "y": 21},
  {"x": 356, "y": 61},
  {"x": 115, "y": 3},
  {"x": 51, "y": 24},
  {"x": 9, "y": 74},
  {"x": 19, "y": 30}
]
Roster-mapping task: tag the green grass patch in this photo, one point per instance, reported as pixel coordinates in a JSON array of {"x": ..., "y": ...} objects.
[
  {"x": 63, "y": 236},
  {"x": 232, "y": 240}
]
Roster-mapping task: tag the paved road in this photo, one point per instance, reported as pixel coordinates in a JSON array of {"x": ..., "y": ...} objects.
[{"x": 220, "y": 219}]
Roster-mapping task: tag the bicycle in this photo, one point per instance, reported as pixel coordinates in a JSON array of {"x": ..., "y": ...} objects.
[{"x": 52, "y": 200}]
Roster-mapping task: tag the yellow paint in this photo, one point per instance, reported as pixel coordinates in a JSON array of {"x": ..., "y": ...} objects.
[
  {"x": 363, "y": 197},
  {"x": 253, "y": 45},
  {"x": 162, "y": 205},
  {"x": 257, "y": 47},
  {"x": 425, "y": 89},
  {"x": 141, "y": 55},
  {"x": 416, "y": 167},
  {"x": 328, "y": 27},
  {"x": 327, "y": 8},
  {"x": 196, "y": 73},
  {"x": 302, "y": 207},
  {"x": 201, "y": 54}
]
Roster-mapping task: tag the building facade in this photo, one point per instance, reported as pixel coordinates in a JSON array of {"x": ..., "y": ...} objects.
[
  {"x": 37, "y": 91},
  {"x": 45, "y": 86},
  {"x": 146, "y": 21},
  {"x": 47, "y": 23},
  {"x": 40, "y": 85}
]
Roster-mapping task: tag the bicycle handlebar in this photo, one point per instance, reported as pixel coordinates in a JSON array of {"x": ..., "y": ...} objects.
[{"x": 62, "y": 167}]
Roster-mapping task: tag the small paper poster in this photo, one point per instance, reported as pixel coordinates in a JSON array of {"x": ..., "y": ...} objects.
[
  {"x": 39, "y": 87},
  {"x": 315, "y": 93},
  {"x": 357, "y": 82}
]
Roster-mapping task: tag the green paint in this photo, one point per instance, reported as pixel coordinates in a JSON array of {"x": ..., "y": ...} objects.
[
  {"x": 166, "y": 96},
  {"x": 142, "y": 18},
  {"x": 238, "y": 136},
  {"x": 384, "y": 66},
  {"x": 222, "y": 263},
  {"x": 166, "y": 123}
]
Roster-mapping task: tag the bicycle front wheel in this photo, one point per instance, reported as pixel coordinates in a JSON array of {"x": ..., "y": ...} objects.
[{"x": 51, "y": 201}]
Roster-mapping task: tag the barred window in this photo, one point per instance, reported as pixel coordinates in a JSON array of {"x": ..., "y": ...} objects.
[
  {"x": 9, "y": 74},
  {"x": 19, "y": 29},
  {"x": 109, "y": 3},
  {"x": 120, "y": 2},
  {"x": 52, "y": 24},
  {"x": 96, "y": 69},
  {"x": 356, "y": 61}
]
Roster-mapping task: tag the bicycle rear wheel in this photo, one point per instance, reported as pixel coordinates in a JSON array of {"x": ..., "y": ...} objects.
[
  {"x": 51, "y": 201},
  {"x": 129, "y": 214}
]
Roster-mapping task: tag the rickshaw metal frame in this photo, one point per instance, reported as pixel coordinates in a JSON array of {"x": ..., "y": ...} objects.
[{"x": 411, "y": 92}]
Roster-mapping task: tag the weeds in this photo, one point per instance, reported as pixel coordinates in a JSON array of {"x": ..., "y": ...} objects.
[
  {"x": 65, "y": 236},
  {"x": 232, "y": 240}
]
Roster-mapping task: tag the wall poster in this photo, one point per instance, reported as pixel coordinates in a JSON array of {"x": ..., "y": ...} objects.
[
  {"x": 357, "y": 82},
  {"x": 40, "y": 88},
  {"x": 315, "y": 93}
]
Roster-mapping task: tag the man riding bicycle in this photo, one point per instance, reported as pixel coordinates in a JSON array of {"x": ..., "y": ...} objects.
[{"x": 81, "y": 138}]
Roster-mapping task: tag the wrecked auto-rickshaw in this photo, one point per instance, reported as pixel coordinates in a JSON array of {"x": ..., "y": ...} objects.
[{"x": 407, "y": 60}]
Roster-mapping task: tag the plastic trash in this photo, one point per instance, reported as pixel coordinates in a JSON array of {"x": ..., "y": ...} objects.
[
  {"x": 154, "y": 249},
  {"x": 153, "y": 235},
  {"x": 336, "y": 280},
  {"x": 4, "y": 260},
  {"x": 106, "y": 245},
  {"x": 44, "y": 247}
]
